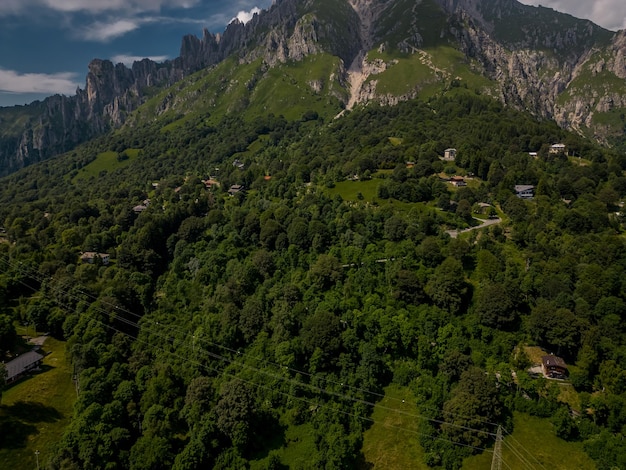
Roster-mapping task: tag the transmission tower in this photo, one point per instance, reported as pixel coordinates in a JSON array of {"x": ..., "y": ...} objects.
[{"x": 496, "y": 463}]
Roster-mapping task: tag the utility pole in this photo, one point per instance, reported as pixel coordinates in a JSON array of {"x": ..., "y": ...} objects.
[{"x": 496, "y": 463}]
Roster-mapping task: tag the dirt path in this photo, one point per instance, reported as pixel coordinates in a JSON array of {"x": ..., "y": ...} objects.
[{"x": 486, "y": 223}]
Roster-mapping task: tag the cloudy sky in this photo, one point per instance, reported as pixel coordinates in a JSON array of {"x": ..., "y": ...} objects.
[
  {"x": 610, "y": 14},
  {"x": 45, "y": 45}
]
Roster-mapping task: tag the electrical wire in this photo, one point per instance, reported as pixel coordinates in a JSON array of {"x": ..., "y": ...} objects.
[{"x": 224, "y": 359}]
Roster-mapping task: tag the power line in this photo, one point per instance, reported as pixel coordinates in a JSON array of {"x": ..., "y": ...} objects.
[
  {"x": 224, "y": 359},
  {"x": 273, "y": 390},
  {"x": 519, "y": 444},
  {"x": 300, "y": 384}
]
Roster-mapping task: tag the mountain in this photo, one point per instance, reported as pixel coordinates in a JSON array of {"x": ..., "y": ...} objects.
[{"x": 328, "y": 55}]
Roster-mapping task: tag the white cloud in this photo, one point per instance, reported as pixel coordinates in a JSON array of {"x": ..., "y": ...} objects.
[
  {"x": 128, "y": 59},
  {"x": 8, "y": 7},
  {"x": 104, "y": 32},
  {"x": 245, "y": 16},
  {"x": 610, "y": 14},
  {"x": 15, "y": 82}
]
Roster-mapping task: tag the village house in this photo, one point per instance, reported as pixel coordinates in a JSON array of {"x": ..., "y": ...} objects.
[
  {"x": 449, "y": 155},
  {"x": 90, "y": 257},
  {"x": 238, "y": 164},
  {"x": 557, "y": 148},
  {"x": 235, "y": 188},
  {"x": 141, "y": 207},
  {"x": 209, "y": 183},
  {"x": 458, "y": 181},
  {"x": 23, "y": 364},
  {"x": 525, "y": 191},
  {"x": 553, "y": 367}
]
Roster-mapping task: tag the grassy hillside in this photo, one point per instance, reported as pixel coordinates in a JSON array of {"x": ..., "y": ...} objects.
[
  {"x": 533, "y": 444},
  {"x": 249, "y": 91},
  {"x": 36, "y": 410}
]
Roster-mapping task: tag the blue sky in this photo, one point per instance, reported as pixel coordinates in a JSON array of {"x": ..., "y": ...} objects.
[{"x": 46, "y": 45}]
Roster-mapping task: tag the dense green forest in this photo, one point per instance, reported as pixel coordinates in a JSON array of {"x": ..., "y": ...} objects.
[{"x": 260, "y": 329}]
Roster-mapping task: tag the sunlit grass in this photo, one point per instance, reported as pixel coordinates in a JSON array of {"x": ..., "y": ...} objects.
[
  {"x": 392, "y": 441},
  {"x": 534, "y": 444},
  {"x": 39, "y": 408}
]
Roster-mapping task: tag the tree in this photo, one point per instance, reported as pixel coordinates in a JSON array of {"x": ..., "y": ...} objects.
[
  {"x": 495, "y": 306},
  {"x": 8, "y": 335},
  {"x": 473, "y": 404},
  {"x": 235, "y": 411},
  {"x": 447, "y": 287},
  {"x": 326, "y": 271}
]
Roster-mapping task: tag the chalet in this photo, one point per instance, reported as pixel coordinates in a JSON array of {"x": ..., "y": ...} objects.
[
  {"x": 449, "y": 155},
  {"x": 553, "y": 367},
  {"x": 23, "y": 364},
  {"x": 410, "y": 164},
  {"x": 458, "y": 181},
  {"x": 533, "y": 154},
  {"x": 90, "y": 257},
  {"x": 557, "y": 148},
  {"x": 525, "y": 191},
  {"x": 209, "y": 183},
  {"x": 141, "y": 207},
  {"x": 235, "y": 188}
]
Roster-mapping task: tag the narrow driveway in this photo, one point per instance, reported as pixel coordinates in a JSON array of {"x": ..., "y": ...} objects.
[{"x": 486, "y": 223}]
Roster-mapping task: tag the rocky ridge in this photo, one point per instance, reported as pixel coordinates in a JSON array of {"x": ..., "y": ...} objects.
[{"x": 551, "y": 64}]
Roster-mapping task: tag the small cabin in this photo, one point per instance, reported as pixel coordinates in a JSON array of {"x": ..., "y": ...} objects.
[
  {"x": 525, "y": 191},
  {"x": 90, "y": 257},
  {"x": 554, "y": 367},
  {"x": 449, "y": 155},
  {"x": 557, "y": 148},
  {"x": 23, "y": 364},
  {"x": 458, "y": 181},
  {"x": 235, "y": 188}
]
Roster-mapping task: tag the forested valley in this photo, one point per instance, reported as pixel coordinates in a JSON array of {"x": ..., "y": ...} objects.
[{"x": 260, "y": 328}]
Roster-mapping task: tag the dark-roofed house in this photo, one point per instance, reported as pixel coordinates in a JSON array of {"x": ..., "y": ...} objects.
[
  {"x": 458, "y": 181},
  {"x": 235, "y": 188},
  {"x": 23, "y": 364},
  {"x": 554, "y": 367}
]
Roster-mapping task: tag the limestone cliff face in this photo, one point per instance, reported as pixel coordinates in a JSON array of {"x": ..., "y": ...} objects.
[
  {"x": 542, "y": 61},
  {"x": 60, "y": 123}
]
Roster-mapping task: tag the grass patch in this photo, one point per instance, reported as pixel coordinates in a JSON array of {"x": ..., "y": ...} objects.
[
  {"x": 300, "y": 445},
  {"x": 106, "y": 161},
  {"x": 428, "y": 70},
  {"x": 349, "y": 190},
  {"x": 569, "y": 395},
  {"x": 392, "y": 441},
  {"x": 37, "y": 409},
  {"x": 534, "y": 353},
  {"x": 541, "y": 448}
]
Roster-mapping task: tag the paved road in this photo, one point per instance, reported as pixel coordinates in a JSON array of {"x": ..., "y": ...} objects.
[{"x": 486, "y": 223}]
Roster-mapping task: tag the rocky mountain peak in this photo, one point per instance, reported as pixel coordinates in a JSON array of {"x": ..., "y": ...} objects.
[{"x": 533, "y": 58}]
